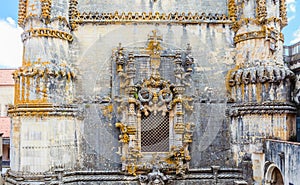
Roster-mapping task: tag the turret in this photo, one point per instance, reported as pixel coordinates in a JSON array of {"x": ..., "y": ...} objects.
[
  {"x": 44, "y": 83},
  {"x": 259, "y": 84},
  {"x": 46, "y": 75}
]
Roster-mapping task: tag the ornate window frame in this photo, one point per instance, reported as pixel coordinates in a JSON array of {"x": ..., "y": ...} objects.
[{"x": 155, "y": 95}]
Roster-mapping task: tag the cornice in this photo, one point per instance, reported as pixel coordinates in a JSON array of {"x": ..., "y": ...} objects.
[
  {"x": 157, "y": 17},
  {"x": 263, "y": 108},
  {"x": 43, "y": 109}
]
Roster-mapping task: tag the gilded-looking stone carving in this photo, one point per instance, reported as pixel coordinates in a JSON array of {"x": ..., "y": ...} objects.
[
  {"x": 44, "y": 109},
  {"x": 73, "y": 13},
  {"x": 155, "y": 96},
  {"x": 33, "y": 82},
  {"x": 47, "y": 32},
  {"x": 22, "y": 11},
  {"x": 267, "y": 33},
  {"x": 282, "y": 12},
  {"x": 247, "y": 21},
  {"x": 261, "y": 10},
  {"x": 46, "y": 10},
  {"x": 232, "y": 10}
]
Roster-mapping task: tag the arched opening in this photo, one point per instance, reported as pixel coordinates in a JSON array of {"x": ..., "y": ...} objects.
[{"x": 273, "y": 175}]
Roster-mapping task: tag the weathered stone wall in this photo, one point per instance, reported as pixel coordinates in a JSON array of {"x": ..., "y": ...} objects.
[
  {"x": 212, "y": 52},
  {"x": 207, "y": 6},
  {"x": 44, "y": 144},
  {"x": 286, "y": 156},
  {"x": 238, "y": 87}
]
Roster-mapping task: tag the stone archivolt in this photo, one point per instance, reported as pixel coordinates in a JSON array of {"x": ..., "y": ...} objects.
[{"x": 155, "y": 96}]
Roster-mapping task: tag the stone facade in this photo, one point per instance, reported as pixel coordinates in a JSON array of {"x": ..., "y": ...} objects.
[{"x": 149, "y": 92}]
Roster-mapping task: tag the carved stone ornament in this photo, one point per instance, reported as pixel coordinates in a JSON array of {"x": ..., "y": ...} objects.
[
  {"x": 154, "y": 178},
  {"x": 151, "y": 106}
]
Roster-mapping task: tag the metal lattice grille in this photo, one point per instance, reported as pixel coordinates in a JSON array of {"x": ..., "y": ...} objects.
[{"x": 155, "y": 133}]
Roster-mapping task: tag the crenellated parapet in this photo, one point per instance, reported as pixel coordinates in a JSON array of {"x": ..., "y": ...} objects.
[
  {"x": 22, "y": 11},
  {"x": 151, "y": 17},
  {"x": 232, "y": 10}
]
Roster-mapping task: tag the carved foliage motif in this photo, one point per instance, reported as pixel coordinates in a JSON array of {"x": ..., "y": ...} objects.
[{"x": 153, "y": 95}]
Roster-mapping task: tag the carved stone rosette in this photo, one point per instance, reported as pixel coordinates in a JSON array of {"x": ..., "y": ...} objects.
[{"x": 151, "y": 110}]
